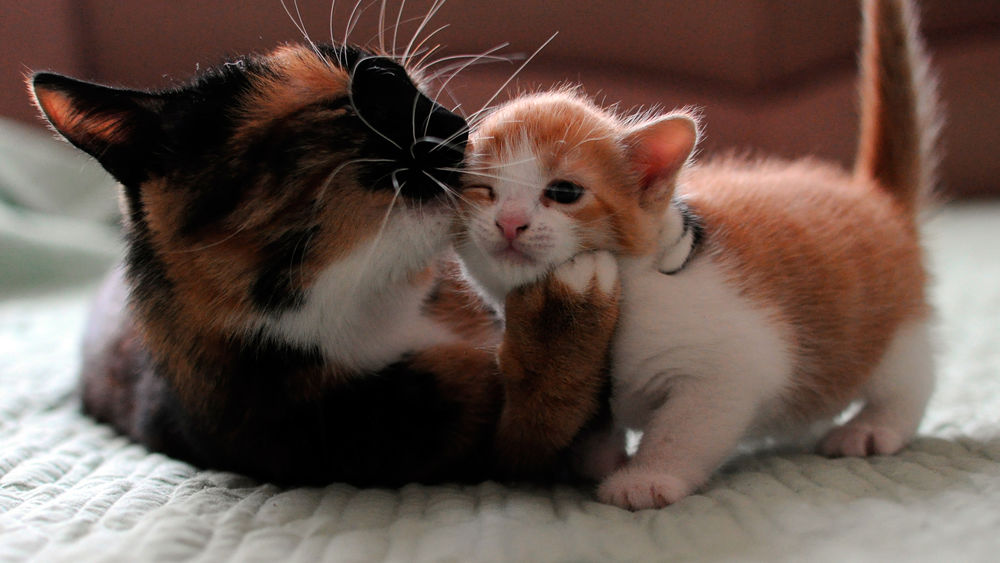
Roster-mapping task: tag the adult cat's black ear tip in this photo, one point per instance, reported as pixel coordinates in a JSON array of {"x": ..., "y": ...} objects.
[
  {"x": 49, "y": 81},
  {"x": 44, "y": 79}
]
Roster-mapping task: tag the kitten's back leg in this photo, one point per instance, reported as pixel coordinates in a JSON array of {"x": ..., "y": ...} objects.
[{"x": 894, "y": 399}]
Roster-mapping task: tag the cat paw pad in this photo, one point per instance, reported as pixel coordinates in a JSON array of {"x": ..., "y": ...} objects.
[
  {"x": 856, "y": 439},
  {"x": 598, "y": 268},
  {"x": 634, "y": 489}
]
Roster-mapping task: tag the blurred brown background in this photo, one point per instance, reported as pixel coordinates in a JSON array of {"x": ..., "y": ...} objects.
[{"x": 772, "y": 75}]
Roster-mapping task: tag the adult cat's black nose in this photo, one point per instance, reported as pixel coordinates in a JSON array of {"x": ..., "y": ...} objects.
[
  {"x": 427, "y": 135},
  {"x": 418, "y": 143}
]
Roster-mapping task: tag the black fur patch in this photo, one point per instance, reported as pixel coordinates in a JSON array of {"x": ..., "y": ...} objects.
[
  {"x": 386, "y": 428},
  {"x": 276, "y": 288}
]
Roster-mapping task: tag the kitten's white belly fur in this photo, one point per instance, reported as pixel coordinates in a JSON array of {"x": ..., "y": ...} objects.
[{"x": 693, "y": 326}]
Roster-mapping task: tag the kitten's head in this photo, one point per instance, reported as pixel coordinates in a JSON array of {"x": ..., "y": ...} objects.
[
  {"x": 550, "y": 175},
  {"x": 243, "y": 187}
]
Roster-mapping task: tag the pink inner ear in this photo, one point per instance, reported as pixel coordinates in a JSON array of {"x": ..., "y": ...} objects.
[
  {"x": 59, "y": 108},
  {"x": 56, "y": 105},
  {"x": 661, "y": 148}
]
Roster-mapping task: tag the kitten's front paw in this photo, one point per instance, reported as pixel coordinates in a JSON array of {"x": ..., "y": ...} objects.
[
  {"x": 637, "y": 488},
  {"x": 589, "y": 270},
  {"x": 857, "y": 439}
]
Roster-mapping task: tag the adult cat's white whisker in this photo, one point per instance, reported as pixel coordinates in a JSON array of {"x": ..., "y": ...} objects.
[
  {"x": 298, "y": 22},
  {"x": 455, "y": 69},
  {"x": 418, "y": 48},
  {"x": 418, "y": 67},
  {"x": 513, "y": 76},
  {"x": 474, "y": 59},
  {"x": 381, "y": 26},
  {"x": 395, "y": 28},
  {"x": 377, "y": 239},
  {"x": 378, "y": 33},
  {"x": 427, "y": 18},
  {"x": 210, "y": 245},
  {"x": 329, "y": 179},
  {"x": 493, "y": 177},
  {"x": 354, "y": 18},
  {"x": 333, "y": 38},
  {"x": 484, "y": 54},
  {"x": 448, "y": 190}
]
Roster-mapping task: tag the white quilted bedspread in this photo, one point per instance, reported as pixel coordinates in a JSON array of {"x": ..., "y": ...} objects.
[{"x": 71, "y": 490}]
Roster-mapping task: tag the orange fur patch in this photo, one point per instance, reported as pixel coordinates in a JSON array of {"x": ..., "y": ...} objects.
[
  {"x": 301, "y": 77},
  {"x": 554, "y": 360},
  {"x": 838, "y": 257},
  {"x": 63, "y": 114}
]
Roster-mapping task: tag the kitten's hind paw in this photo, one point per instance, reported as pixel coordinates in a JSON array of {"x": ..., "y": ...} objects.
[
  {"x": 858, "y": 439},
  {"x": 640, "y": 488},
  {"x": 597, "y": 269}
]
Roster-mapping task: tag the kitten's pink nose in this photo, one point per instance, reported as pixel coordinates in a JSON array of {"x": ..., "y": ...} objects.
[{"x": 512, "y": 224}]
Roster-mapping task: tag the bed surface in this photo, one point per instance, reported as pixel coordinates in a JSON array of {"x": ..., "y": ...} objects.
[{"x": 72, "y": 490}]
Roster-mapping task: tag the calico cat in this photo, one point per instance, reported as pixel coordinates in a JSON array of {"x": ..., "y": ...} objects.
[
  {"x": 288, "y": 307},
  {"x": 760, "y": 297}
]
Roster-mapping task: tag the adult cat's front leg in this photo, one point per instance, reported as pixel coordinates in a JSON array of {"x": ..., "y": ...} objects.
[{"x": 554, "y": 359}]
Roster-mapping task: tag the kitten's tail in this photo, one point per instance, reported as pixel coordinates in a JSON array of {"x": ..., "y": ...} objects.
[{"x": 900, "y": 120}]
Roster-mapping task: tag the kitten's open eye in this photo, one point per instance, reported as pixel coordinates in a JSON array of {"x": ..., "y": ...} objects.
[
  {"x": 564, "y": 191},
  {"x": 478, "y": 191}
]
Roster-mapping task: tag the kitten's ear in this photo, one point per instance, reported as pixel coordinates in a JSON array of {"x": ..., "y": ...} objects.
[
  {"x": 659, "y": 149},
  {"x": 120, "y": 128}
]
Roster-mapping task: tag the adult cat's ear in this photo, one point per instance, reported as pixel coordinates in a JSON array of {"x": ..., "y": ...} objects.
[
  {"x": 120, "y": 128},
  {"x": 659, "y": 149}
]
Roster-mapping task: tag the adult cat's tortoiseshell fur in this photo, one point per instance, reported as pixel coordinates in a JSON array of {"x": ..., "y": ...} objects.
[{"x": 287, "y": 307}]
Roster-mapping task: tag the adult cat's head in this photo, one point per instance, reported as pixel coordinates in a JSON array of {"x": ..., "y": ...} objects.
[{"x": 245, "y": 187}]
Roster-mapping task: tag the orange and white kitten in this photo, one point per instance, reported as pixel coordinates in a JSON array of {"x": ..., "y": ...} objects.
[{"x": 760, "y": 298}]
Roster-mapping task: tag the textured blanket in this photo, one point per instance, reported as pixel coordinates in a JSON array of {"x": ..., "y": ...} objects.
[{"x": 72, "y": 490}]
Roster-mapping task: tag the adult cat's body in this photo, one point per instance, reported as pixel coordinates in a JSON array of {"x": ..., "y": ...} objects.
[
  {"x": 287, "y": 307},
  {"x": 759, "y": 298}
]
